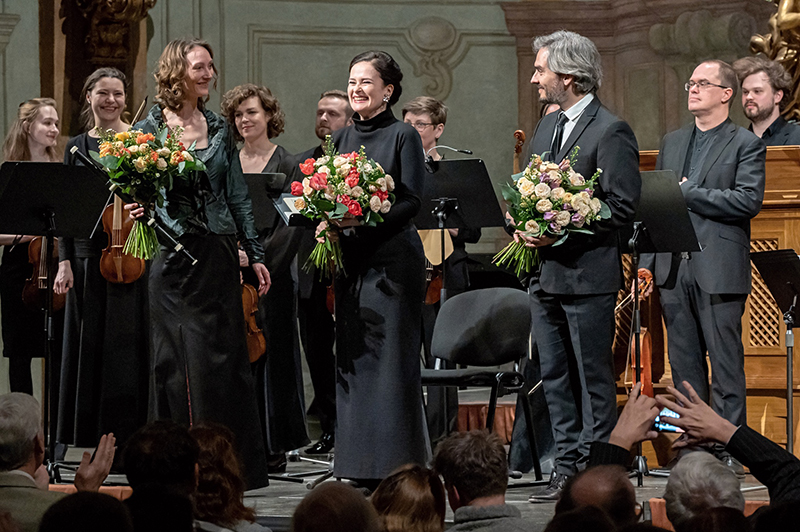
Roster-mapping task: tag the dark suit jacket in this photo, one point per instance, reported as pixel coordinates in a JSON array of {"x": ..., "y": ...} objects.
[
  {"x": 782, "y": 133},
  {"x": 24, "y": 501},
  {"x": 590, "y": 264},
  {"x": 728, "y": 194}
]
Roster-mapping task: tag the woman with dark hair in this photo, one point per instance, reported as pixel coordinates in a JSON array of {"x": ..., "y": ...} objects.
[
  {"x": 381, "y": 423},
  {"x": 200, "y": 368},
  {"x": 219, "y": 497},
  {"x": 255, "y": 118},
  {"x": 105, "y": 348},
  {"x": 32, "y": 137},
  {"x": 411, "y": 500}
]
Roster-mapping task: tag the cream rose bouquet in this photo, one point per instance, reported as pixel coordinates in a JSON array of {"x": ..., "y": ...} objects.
[
  {"x": 549, "y": 199},
  {"x": 145, "y": 166},
  {"x": 336, "y": 186}
]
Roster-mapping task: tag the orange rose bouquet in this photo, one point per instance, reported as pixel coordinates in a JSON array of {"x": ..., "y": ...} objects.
[
  {"x": 145, "y": 166},
  {"x": 336, "y": 186}
]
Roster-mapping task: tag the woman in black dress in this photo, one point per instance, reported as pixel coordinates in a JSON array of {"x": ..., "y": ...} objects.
[
  {"x": 104, "y": 369},
  {"x": 381, "y": 423},
  {"x": 200, "y": 367},
  {"x": 255, "y": 118},
  {"x": 32, "y": 137}
]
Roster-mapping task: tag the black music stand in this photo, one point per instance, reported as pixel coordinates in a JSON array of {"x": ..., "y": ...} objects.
[
  {"x": 52, "y": 200},
  {"x": 661, "y": 225},
  {"x": 464, "y": 196},
  {"x": 780, "y": 269},
  {"x": 263, "y": 189}
]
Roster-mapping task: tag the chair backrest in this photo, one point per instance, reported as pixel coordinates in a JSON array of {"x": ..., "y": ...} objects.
[{"x": 485, "y": 327}]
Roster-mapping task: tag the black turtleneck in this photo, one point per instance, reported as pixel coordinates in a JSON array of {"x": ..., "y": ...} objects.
[{"x": 398, "y": 148}]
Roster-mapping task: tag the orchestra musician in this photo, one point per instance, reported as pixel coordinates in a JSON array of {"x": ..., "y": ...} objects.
[{"x": 200, "y": 365}]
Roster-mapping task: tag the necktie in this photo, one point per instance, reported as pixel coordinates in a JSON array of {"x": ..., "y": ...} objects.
[{"x": 555, "y": 147}]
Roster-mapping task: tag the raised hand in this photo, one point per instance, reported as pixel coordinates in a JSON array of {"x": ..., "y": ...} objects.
[{"x": 699, "y": 421}]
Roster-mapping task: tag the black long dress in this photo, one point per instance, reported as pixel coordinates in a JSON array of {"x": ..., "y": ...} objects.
[
  {"x": 380, "y": 417},
  {"x": 104, "y": 371},
  {"x": 279, "y": 374}
]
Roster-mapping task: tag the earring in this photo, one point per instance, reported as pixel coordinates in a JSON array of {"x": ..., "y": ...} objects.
[{"x": 385, "y": 99}]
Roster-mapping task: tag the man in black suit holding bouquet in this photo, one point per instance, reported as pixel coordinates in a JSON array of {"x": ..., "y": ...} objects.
[{"x": 574, "y": 292}]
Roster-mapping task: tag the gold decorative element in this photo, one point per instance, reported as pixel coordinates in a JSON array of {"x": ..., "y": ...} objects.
[
  {"x": 765, "y": 317},
  {"x": 782, "y": 45},
  {"x": 110, "y": 23}
]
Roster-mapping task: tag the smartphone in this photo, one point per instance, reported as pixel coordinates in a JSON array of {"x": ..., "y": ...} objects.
[{"x": 661, "y": 425}]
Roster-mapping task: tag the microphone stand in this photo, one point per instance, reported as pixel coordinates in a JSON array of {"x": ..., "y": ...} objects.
[{"x": 147, "y": 217}]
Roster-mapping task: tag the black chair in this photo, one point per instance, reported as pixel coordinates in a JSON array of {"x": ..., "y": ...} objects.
[{"x": 484, "y": 329}]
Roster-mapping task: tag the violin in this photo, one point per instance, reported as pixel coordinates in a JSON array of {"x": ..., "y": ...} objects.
[
  {"x": 116, "y": 266},
  {"x": 34, "y": 293},
  {"x": 519, "y": 135},
  {"x": 433, "y": 278},
  {"x": 256, "y": 344},
  {"x": 645, "y": 278}
]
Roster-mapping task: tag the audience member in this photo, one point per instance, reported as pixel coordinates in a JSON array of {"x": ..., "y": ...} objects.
[
  {"x": 335, "y": 507},
  {"x": 156, "y": 508},
  {"x": 607, "y": 487},
  {"x": 581, "y": 519},
  {"x": 698, "y": 483},
  {"x": 411, "y": 499},
  {"x": 23, "y": 478},
  {"x": 475, "y": 471},
  {"x": 219, "y": 497},
  {"x": 781, "y": 516},
  {"x": 720, "y": 519},
  {"x": 87, "y": 512},
  {"x": 772, "y": 465},
  {"x": 6, "y": 523}
]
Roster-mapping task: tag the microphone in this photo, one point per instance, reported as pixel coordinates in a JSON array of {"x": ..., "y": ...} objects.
[{"x": 468, "y": 152}]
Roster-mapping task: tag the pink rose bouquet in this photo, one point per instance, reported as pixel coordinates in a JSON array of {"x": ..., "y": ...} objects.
[{"x": 549, "y": 199}]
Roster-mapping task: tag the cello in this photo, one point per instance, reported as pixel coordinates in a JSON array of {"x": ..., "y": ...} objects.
[
  {"x": 34, "y": 293},
  {"x": 115, "y": 265}
]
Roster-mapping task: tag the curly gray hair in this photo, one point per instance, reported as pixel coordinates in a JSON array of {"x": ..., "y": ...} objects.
[
  {"x": 20, "y": 423},
  {"x": 572, "y": 54},
  {"x": 697, "y": 483}
]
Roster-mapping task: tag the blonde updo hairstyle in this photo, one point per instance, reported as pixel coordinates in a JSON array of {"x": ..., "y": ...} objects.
[
  {"x": 232, "y": 99},
  {"x": 15, "y": 147},
  {"x": 172, "y": 71}
]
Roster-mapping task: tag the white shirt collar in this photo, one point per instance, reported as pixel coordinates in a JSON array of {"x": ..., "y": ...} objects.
[{"x": 574, "y": 112}]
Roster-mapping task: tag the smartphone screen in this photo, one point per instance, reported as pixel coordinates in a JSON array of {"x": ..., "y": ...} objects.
[{"x": 661, "y": 424}]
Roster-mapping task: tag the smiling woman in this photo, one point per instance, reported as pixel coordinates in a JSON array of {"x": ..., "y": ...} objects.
[{"x": 200, "y": 366}]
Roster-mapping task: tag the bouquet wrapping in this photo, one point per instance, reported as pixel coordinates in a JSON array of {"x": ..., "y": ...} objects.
[
  {"x": 549, "y": 199},
  {"x": 145, "y": 166},
  {"x": 337, "y": 186}
]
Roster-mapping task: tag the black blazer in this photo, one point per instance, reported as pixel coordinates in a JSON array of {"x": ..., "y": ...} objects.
[
  {"x": 590, "y": 264},
  {"x": 728, "y": 194}
]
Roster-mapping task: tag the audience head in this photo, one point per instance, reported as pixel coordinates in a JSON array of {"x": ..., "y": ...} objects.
[
  {"x": 21, "y": 434},
  {"x": 219, "y": 495},
  {"x": 428, "y": 116},
  {"x": 333, "y": 113},
  {"x": 104, "y": 97},
  {"x": 335, "y": 507},
  {"x": 384, "y": 89},
  {"x": 162, "y": 453},
  {"x": 473, "y": 465},
  {"x": 254, "y": 107},
  {"x": 184, "y": 72},
  {"x": 606, "y": 487},
  {"x": 588, "y": 518},
  {"x": 157, "y": 508},
  {"x": 721, "y": 519},
  {"x": 565, "y": 61},
  {"x": 772, "y": 518},
  {"x": 765, "y": 86},
  {"x": 87, "y": 511},
  {"x": 36, "y": 127},
  {"x": 712, "y": 88},
  {"x": 698, "y": 483},
  {"x": 411, "y": 499}
]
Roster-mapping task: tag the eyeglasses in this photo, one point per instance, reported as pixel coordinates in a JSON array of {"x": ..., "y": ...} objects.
[
  {"x": 702, "y": 84},
  {"x": 419, "y": 126}
]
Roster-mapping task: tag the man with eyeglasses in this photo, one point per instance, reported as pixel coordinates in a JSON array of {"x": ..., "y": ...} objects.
[{"x": 720, "y": 167}]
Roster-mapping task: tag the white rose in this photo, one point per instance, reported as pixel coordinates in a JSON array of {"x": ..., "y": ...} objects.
[
  {"x": 557, "y": 193},
  {"x": 368, "y": 167},
  {"x": 379, "y": 167},
  {"x": 576, "y": 179},
  {"x": 542, "y": 190},
  {"x": 339, "y": 161},
  {"x": 163, "y": 152},
  {"x": 389, "y": 180},
  {"x": 595, "y": 204},
  {"x": 381, "y": 182},
  {"x": 324, "y": 170},
  {"x": 322, "y": 161},
  {"x": 356, "y": 191},
  {"x": 532, "y": 227},
  {"x": 134, "y": 148},
  {"x": 526, "y": 188},
  {"x": 385, "y": 206},
  {"x": 567, "y": 197},
  {"x": 161, "y": 164},
  {"x": 343, "y": 170},
  {"x": 563, "y": 218},
  {"x": 187, "y": 156},
  {"x": 375, "y": 204},
  {"x": 140, "y": 164},
  {"x": 544, "y": 205},
  {"x": 584, "y": 210}
]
